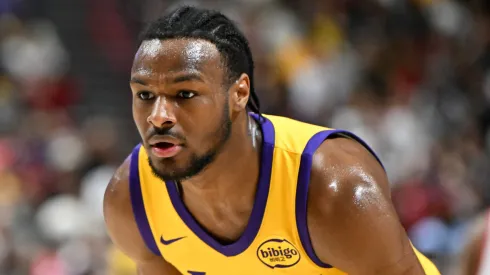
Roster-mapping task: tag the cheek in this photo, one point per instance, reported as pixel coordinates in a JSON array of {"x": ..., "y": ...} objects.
[
  {"x": 140, "y": 119},
  {"x": 198, "y": 115},
  {"x": 204, "y": 128}
]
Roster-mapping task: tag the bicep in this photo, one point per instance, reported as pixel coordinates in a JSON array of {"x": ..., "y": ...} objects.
[
  {"x": 352, "y": 222},
  {"x": 123, "y": 230},
  {"x": 364, "y": 237}
]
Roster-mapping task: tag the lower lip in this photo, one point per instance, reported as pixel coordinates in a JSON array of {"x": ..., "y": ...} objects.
[{"x": 166, "y": 152}]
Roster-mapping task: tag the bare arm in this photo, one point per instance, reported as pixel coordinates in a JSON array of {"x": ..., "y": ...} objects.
[
  {"x": 123, "y": 230},
  {"x": 470, "y": 256},
  {"x": 352, "y": 223}
]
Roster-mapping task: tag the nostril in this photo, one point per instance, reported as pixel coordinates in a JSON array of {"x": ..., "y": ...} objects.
[{"x": 161, "y": 120}]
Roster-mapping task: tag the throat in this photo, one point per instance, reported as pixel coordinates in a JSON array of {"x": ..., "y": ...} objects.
[
  {"x": 224, "y": 199},
  {"x": 225, "y": 220}
]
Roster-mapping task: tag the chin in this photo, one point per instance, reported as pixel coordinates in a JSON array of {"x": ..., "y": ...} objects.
[
  {"x": 180, "y": 167},
  {"x": 167, "y": 169},
  {"x": 165, "y": 174}
]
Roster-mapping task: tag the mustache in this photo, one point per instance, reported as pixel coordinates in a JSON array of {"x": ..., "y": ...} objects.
[{"x": 154, "y": 131}]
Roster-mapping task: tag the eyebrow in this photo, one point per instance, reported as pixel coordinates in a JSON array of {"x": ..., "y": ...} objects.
[
  {"x": 138, "y": 81},
  {"x": 187, "y": 77},
  {"x": 178, "y": 79}
]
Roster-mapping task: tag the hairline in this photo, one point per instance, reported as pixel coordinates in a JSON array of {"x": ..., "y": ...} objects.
[{"x": 223, "y": 59}]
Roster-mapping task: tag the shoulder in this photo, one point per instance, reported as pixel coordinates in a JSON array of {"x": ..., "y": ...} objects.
[
  {"x": 346, "y": 180},
  {"x": 343, "y": 169},
  {"x": 119, "y": 217},
  {"x": 350, "y": 214},
  {"x": 117, "y": 203},
  {"x": 122, "y": 228},
  {"x": 117, "y": 191}
]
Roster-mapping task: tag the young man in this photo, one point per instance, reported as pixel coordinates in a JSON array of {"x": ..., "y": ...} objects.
[{"x": 216, "y": 189}]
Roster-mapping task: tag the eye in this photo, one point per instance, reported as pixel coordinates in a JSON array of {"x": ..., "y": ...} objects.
[
  {"x": 186, "y": 94},
  {"x": 145, "y": 95}
]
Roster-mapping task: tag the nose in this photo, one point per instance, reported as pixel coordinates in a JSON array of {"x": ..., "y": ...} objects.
[{"x": 162, "y": 114}]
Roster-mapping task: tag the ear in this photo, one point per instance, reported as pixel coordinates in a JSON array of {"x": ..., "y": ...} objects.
[{"x": 240, "y": 93}]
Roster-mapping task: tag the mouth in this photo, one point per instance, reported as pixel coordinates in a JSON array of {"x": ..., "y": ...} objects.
[
  {"x": 165, "y": 149},
  {"x": 163, "y": 145}
]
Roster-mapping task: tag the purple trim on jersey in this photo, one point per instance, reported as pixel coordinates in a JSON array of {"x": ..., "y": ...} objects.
[
  {"x": 138, "y": 204},
  {"x": 258, "y": 209},
  {"x": 303, "y": 184}
]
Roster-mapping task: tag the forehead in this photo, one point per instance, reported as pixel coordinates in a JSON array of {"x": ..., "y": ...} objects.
[{"x": 162, "y": 57}]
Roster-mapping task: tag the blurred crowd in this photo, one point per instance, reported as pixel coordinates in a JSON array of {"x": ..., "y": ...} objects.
[{"x": 410, "y": 77}]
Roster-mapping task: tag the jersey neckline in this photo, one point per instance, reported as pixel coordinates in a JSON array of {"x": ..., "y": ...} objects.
[{"x": 262, "y": 193}]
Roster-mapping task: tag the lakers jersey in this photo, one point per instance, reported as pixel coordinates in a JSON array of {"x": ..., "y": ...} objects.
[{"x": 276, "y": 239}]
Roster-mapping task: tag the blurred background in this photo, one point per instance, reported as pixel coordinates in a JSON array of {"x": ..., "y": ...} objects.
[{"x": 411, "y": 77}]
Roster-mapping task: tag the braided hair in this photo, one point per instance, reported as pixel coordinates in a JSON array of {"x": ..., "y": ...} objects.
[{"x": 213, "y": 26}]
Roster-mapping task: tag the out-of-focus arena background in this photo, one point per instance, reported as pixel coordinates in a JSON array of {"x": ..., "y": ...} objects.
[{"x": 411, "y": 77}]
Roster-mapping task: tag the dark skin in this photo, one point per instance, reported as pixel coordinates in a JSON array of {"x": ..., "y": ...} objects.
[{"x": 351, "y": 220}]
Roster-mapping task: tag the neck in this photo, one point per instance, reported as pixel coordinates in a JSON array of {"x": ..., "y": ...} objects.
[{"x": 236, "y": 166}]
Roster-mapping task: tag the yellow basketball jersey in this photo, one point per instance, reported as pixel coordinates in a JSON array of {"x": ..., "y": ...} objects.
[{"x": 276, "y": 239}]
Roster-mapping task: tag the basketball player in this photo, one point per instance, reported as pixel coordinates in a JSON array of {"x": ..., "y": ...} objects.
[
  {"x": 475, "y": 257},
  {"x": 217, "y": 188}
]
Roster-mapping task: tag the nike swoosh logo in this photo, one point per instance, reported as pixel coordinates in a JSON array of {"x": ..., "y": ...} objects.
[{"x": 167, "y": 242}]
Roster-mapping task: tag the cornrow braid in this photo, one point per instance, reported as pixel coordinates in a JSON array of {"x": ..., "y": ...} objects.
[{"x": 213, "y": 26}]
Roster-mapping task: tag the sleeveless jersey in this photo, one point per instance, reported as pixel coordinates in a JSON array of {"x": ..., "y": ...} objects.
[{"x": 276, "y": 239}]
